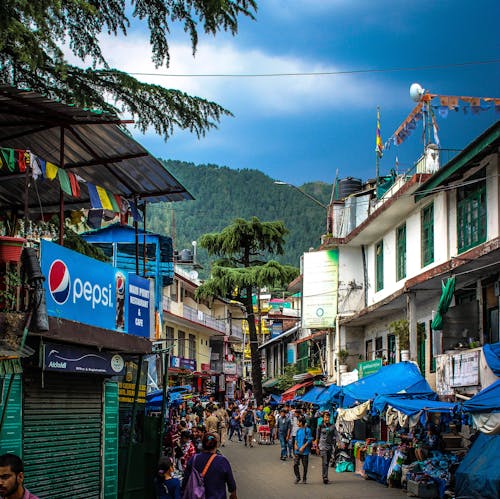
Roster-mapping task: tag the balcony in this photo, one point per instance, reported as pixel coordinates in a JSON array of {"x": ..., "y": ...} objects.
[{"x": 225, "y": 326}]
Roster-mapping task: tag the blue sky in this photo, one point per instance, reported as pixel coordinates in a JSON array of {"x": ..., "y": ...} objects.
[{"x": 303, "y": 128}]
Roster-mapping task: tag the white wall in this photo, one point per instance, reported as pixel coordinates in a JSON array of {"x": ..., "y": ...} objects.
[{"x": 351, "y": 277}]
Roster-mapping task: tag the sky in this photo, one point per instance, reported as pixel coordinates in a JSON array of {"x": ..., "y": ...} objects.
[{"x": 304, "y": 128}]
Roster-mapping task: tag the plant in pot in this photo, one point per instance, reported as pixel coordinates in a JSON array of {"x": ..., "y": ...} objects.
[
  {"x": 342, "y": 355},
  {"x": 401, "y": 329},
  {"x": 12, "y": 321}
]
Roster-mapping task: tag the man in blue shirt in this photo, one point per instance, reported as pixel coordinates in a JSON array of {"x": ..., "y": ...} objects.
[{"x": 303, "y": 441}]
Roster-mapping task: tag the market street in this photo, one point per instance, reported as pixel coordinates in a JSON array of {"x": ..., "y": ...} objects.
[{"x": 259, "y": 473}]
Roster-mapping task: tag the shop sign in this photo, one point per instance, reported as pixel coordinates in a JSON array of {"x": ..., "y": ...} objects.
[
  {"x": 73, "y": 359},
  {"x": 276, "y": 329},
  {"x": 229, "y": 367},
  {"x": 347, "y": 378},
  {"x": 126, "y": 389},
  {"x": 139, "y": 306},
  {"x": 182, "y": 363},
  {"x": 464, "y": 369},
  {"x": 369, "y": 367}
]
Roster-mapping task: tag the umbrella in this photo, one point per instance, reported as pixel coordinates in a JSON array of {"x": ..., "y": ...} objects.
[{"x": 444, "y": 303}]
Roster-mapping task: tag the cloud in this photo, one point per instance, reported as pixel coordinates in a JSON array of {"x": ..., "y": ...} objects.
[{"x": 265, "y": 95}]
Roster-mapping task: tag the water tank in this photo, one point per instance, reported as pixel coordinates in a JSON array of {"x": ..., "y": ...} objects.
[
  {"x": 349, "y": 186},
  {"x": 186, "y": 255}
]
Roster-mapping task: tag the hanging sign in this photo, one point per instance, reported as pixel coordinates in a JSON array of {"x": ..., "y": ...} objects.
[{"x": 139, "y": 306}]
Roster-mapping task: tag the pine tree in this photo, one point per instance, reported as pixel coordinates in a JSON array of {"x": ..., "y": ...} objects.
[
  {"x": 242, "y": 248},
  {"x": 32, "y": 34}
]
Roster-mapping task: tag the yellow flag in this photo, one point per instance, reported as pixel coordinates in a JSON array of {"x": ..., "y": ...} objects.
[
  {"x": 103, "y": 196},
  {"x": 51, "y": 170}
]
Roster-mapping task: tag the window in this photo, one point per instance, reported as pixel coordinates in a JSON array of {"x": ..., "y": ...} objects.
[
  {"x": 379, "y": 349},
  {"x": 427, "y": 228},
  {"x": 192, "y": 346},
  {"x": 391, "y": 347},
  {"x": 169, "y": 335},
  {"x": 181, "y": 346},
  {"x": 401, "y": 252},
  {"x": 379, "y": 266},
  {"x": 368, "y": 350},
  {"x": 471, "y": 214}
]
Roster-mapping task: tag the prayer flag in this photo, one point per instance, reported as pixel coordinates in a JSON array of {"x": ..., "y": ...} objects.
[
  {"x": 51, "y": 170},
  {"x": 135, "y": 212},
  {"x": 95, "y": 200},
  {"x": 75, "y": 186},
  {"x": 62, "y": 175},
  {"x": 379, "y": 146},
  {"x": 103, "y": 196}
]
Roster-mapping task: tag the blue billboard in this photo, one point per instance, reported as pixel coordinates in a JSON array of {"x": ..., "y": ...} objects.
[
  {"x": 139, "y": 305},
  {"x": 82, "y": 289}
]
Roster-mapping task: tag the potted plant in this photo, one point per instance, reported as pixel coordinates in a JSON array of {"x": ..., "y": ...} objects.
[
  {"x": 11, "y": 249},
  {"x": 342, "y": 355},
  {"x": 401, "y": 329}
]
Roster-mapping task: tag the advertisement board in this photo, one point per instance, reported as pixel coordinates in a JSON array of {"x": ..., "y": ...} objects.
[
  {"x": 320, "y": 287},
  {"x": 229, "y": 367},
  {"x": 139, "y": 306},
  {"x": 73, "y": 359},
  {"x": 369, "y": 367}
]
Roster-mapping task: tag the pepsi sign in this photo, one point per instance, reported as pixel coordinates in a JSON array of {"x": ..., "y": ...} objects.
[{"x": 82, "y": 289}]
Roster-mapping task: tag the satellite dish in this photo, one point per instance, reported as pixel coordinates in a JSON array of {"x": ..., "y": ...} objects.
[
  {"x": 193, "y": 275},
  {"x": 416, "y": 92}
]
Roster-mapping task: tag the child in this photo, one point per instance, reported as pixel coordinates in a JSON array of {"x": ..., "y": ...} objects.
[{"x": 166, "y": 486}]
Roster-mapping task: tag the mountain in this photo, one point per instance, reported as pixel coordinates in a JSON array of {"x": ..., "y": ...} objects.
[{"x": 223, "y": 194}]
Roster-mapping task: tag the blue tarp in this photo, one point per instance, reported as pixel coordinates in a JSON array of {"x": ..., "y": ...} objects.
[
  {"x": 410, "y": 405},
  {"x": 487, "y": 400},
  {"x": 329, "y": 395},
  {"x": 404, "y": 377},
  {"x": 478, "y": 475},
  {"x": 275, "y": 399},
  {"x": 492, "y": 354},
  {"x": 311, "y": 396}
]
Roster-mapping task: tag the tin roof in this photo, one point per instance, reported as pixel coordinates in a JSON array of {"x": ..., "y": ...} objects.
[{"x": 96, "y": 146}]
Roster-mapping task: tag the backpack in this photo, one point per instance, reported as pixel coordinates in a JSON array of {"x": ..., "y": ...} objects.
[
  {"x": 248, "y": 422},
  {"x": 195, "y": 485}
]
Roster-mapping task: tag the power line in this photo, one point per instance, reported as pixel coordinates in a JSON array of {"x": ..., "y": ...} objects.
[{"x": 315, "y": 73}]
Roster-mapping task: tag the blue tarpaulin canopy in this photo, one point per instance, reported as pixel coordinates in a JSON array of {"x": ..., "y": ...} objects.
[
  {"x": 487, "y": 400},
  {"x": 410, "y": 405},
  {"x": 312, "y": 395},
  {"x": 492, "y": 354},
  {"x": 329, "y": 395},
  {"x": 479, "y": 474},
  {"x": 404, "y": 377}
]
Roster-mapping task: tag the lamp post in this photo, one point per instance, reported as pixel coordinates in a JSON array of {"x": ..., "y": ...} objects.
[{"x": 312, "y": 198}]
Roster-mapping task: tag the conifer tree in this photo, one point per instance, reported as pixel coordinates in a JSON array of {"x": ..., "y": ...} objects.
[
  {"x": 33, "y": 34},
  {"x": 242, "y": 248}
]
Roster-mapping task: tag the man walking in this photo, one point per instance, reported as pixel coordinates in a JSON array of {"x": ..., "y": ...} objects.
[
  {"x": 303, "y": 441},
  {"x": 283, "y": 430},
  {"x": 248, "y": 418},
  {"x": 325, "y": 437},
  {"x": 12, "y": 478}
]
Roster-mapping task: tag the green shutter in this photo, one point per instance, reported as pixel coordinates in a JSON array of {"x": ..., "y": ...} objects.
[
  {"x": 110, "y": 454},
  {"x": 401, "y": 252},
  {"x": 11, "y": 431},
  {"x": 471, "y": 215},
  {"x": 62, "y": 435},
  {"x": 379, "y": 265},
  {"x": 427, "y": 232}
]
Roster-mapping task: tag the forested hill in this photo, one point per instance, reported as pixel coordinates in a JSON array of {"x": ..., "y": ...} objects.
[{"x": 223, "y": 194}]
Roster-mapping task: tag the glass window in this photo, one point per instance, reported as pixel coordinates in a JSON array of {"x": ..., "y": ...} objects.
[
  {"x": 379, "y": 265},
  {"x": 169, "y": 335},
  {"x": 401, "y": 252},
  {"x": 192, "y": 346},
  {"x": 427, "y": 229},
  {"x": 471, "y": 214},
  {"x": 181, "y": 344}
]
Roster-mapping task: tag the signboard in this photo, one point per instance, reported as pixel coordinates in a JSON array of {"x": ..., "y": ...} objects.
[
  {"x": 182, "y": 363},
  {"x": 464, "y": 369},
  {"x": 346, "y": 378},
  {"x": 320, "y": 287},
  {"x": 126, "y": 389},
  {"x": 276, "y": 329},
  {"x": 229, "y": 367},
  {"x": 73, "y": 359},
  {"x": 369, "y": 367},
  {"x": 139, "y": 306}
]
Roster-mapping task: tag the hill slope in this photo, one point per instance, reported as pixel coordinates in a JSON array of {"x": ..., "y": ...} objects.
[{"x": 223, "y": 194}]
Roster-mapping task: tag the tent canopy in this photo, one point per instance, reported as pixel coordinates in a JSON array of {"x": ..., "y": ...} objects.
[
  {"x": 479, "y": 474},
  {"x": 404, "y": 377},
  {"x": 487, "y": 400},
  {"x": 329, "y": 395},
  {"x": 492, "y": 355},
  {"x": 410, "y": 405},
  {"x": 312, "y": 395},
  {"x": 289, "y": 394}
]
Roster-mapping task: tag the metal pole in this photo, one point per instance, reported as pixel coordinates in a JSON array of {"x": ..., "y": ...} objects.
[
  {"x": 61, "y": 192},
  {"x": 164, "y": 405}
]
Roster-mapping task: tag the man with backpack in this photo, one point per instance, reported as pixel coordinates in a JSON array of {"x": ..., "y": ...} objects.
[
  {"x": 208, "y": 474},
  {"x": 248, "y": 424}
]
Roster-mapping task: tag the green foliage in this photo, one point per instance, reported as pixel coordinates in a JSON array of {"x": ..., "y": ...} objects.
[
  {"x": 286, "y": 380},
  {"x": 223, "y": 194},
  {"x": 32, "y": 34},
  {"x": 9, "y": 288},
  {"x": 401, "y": 329},
  {"x": 342, "y": 356}
]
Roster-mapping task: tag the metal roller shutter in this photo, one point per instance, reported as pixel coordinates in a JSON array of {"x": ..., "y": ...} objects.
[{"x": 62, "y": 435}]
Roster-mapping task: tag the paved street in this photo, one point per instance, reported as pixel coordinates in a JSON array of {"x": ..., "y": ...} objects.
[{"x": 259, "y": 473}]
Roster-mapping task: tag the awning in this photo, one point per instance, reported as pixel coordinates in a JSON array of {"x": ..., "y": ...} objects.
[
  {"x": 329, "y": 395},
  {"x": 290, "y": 393},
  {"x": 270, "y": 383},
  {"x": 410, "y": 406},
  {"x": 312, "y": 395},
  {"x": 448, "y": 290},
  {"x": 97, "y": 147},
  {"x": 487, "y": 400}
]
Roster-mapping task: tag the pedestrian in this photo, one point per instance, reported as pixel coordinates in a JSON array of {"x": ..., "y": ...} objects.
[
  {"x": 248, "y": 418},
  {"x": 219, "y": 474},
  {"x": 188, "y": 448},
  {"x": 283, "y": 430},
  {"x": 325, "y": 439},
  {"x": 302, "y": 446},
  {"x": 212, "y": 422},
  {"x": 12, "y": 478},
  {"x": 294, "y": 422},
  {"x": 166, "y": 485},
  {"x": 221, "y": 414},
  {"x": 234, "y": 425}
]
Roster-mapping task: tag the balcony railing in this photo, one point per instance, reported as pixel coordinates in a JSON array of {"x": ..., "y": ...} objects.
[{"x": 225, "y": 326}]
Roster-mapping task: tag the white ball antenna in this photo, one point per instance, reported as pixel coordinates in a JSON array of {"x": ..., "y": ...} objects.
[{"x": 416, "y": 92}]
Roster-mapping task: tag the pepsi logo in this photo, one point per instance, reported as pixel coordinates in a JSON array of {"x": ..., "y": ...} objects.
[
  {"x": 120, "y": 284},
  {"x": 59, "y": 282}
]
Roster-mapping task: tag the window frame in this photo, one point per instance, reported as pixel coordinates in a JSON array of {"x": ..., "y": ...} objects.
[
  {"x": 379, "y": 266},
  {"x": 427, "y": 234},
  {"x": 401, "y": 252}
]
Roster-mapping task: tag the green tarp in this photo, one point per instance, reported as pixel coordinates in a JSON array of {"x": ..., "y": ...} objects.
[{"x": 444, "y": 303}]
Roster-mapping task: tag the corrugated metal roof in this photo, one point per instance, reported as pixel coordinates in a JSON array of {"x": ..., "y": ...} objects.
[{"x": 96, "y": 146}]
